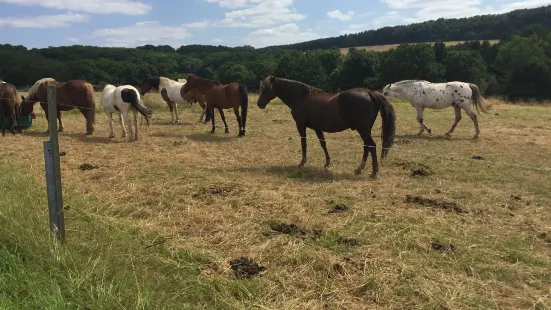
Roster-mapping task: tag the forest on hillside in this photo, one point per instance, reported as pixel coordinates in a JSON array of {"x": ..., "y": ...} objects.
[
  {"x": 518, "y": 67},
  {"x": 482, "y": 27}
]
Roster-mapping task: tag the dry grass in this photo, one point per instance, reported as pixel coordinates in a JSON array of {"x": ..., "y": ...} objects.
[
  {"x": 218, "y": 194},
  {"x": 386, "y": 47}
]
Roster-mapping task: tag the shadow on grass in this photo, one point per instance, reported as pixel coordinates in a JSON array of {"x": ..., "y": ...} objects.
[
  {"x": 215, "y": 137},
  {"x": 82, "y": 137},
  {"x": 305, "y": 174},
  {"x": 441, "y": 137}
]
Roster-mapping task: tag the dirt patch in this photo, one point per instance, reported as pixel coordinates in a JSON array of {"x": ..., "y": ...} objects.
[
  {"x": 427, "y": 202},
  {"x": 288, "y": 229},
  {"x": 245, "y": 267},
  {"x": 339, "y": 208},
  {"x": 87, "y": 166},
  {"x": 348, "y": 241},
  {"x": 442, "y": 247}
]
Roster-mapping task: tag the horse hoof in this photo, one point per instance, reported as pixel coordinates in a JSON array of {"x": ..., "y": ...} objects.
[{"x": 447, "y": 134}]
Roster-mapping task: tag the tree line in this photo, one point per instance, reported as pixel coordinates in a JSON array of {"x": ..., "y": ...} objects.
[{"x": 518, "y": 67}]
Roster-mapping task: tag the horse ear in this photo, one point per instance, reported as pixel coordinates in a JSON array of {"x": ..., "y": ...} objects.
[{"x": 23, "y": 97}]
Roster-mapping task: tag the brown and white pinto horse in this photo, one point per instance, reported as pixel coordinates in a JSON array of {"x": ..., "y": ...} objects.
[
  {"x": 9, "y": 106},
  {"x": 232, "y": 95},
  {"x": 72, "y": 94}
]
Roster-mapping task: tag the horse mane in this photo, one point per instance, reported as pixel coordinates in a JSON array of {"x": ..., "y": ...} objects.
[
  {"x": 410, "y": 81},
  {"x": 296, "y": 88},
  {"x": 206, "y": 80},
  {"x": 34, "y": 89}
]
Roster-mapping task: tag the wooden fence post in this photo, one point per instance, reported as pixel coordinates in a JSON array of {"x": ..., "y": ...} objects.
[{"x": 53, "y": 169}]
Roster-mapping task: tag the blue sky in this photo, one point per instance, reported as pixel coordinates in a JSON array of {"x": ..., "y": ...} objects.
[{"x": 129, "y": 23}]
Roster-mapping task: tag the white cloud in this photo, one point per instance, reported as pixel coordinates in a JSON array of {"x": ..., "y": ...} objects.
[
  {"x": 262, "y": 13},
  {"x": 283, "y": 34},
  {"x": 202, "y": 24},
  {"x": 125, "y": 7},
  {"x": 43, "y": 21},
  {"x": 147, "y": 32},
  {"x": 391, "y": 18},
  {"x": 217, "y": 40},
  {"x": 337, "y": 14},
  {"x": 233, "y": 3}
]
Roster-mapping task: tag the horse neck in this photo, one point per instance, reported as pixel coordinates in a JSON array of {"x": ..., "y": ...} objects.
[{"x": 291, "y": 96}]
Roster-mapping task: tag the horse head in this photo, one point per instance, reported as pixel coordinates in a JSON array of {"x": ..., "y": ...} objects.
[
  {"x": 191, "y": 83},
  {"x": 148, "y": 84},
  {"x": 267, "y": 91},
  {"x": 26, "y": 105}
]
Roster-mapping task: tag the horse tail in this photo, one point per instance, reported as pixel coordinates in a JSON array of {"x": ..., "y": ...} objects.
[
  {"x": 244, "y": 106},
  {"x": 389, "y": 122},
  {"x": 91, "y": 101},
  {"x": 477, "y": 99},
  {"x": 137, "y": 103}
]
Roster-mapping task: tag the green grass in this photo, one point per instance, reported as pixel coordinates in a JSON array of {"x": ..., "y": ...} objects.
[{"x": 104, "y": 264}]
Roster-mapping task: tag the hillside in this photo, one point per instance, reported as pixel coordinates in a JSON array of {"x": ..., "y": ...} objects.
[
  {"x": 386, "y": 47},
  {"x": 481, "y": 27}
]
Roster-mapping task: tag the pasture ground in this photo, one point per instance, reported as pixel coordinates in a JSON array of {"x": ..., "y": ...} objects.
[
  {"x": 154, "y": 223},
  {"x": 386, "y": 47}
]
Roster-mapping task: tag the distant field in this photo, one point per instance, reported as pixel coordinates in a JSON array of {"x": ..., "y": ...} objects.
[
  {"x": 155, "y": 225},
  {"x": 382, "y": 48}
]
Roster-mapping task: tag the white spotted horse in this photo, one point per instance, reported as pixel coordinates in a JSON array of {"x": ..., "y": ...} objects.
[{"x": 424, "y": 94}]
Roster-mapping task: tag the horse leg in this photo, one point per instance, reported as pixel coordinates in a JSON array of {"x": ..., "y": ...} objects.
[
  {"x": 176, "y": 118},
  {"x": 193, "y": 107},
  {"x": 457, "y": 119},
  {"x": 61, "y": 127},
  {"x": 110, "y": 121},
  {"x": 122, "y": 125},
  {"x": 473, "y": 117},
  {"x": 12, "y": 122},
  {"x": 211, "y": 111},
  {"x": 302, "y": 133},
  {"x": 135, "y": 125},
  {"x": 126, "y": 120},
  {"x": 422, "y": 126},
  {"x": 236, "y": 112},
  {"x": 369, "y": 147},
  {"x": 224, "y": 120},
  {"x": 323, "y": 144},
  {"x": 2, "y": 121}
]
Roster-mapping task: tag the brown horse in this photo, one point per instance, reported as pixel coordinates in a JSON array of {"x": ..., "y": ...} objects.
[
  {"x": 70, "y": 95},
  {"x": 232, "y": 95},
  {"x": 9, "y": 106},
  {"x": 193, "y": 97},
  {"x": 354, "y": 109}
]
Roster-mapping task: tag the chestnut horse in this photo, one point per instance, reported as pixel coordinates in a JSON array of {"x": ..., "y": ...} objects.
[
  {"x": 72, "y": 94},
  {"x": 313, "y": 108},
  {"x": 232, "y": 95},
  {"x": 9, "y": 106}
]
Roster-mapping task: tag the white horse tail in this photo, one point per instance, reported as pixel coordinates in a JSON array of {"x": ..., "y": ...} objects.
[
  {"x": 477, "y": 99},
  {"x": 131, "y": 96}
]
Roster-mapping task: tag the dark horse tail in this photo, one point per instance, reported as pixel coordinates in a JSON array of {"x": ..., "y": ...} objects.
[
  {"x": 244, "y": 106},
  {"x": 132, "y": 97},
  {"x": 389, "y": 122}
]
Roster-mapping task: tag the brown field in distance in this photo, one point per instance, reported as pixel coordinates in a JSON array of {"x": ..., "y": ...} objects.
[
  {"x": 218, "y": 195},
  {"x": 382, "y": 48}
]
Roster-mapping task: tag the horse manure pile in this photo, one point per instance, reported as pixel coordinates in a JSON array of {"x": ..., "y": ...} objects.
[
  {"x": 441, "y": 247},
  {"x": 402, "y": 141},
  {"x": 477, "y": 157},
  {"x": 245, "y": 267},
  {"x": 349, "y": 241},
  {"x": 288, "y": 229},
  {"x": 339, "y": 208},
  {"x": 87, "y": 166},
  {"x": 280, "y": 121},
  {"x": 214, "y": 190},
  {"x": 417, "y": 169},
  {"x": 427, "y": 202}
]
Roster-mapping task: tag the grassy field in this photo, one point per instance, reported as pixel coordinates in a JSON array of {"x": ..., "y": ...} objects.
[
  {"x": 157, "y": 221},
  {"x": 382, "y": 48}
]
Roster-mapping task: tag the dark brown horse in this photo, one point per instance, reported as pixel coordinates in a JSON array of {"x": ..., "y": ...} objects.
[
  {"x": 9, "y": 106},
  {"x": 354, "y": 109},
  {"x": 232, "y": 95},
  {"x": 194, "y": 96},
  {"x": 72, "y": 94}
]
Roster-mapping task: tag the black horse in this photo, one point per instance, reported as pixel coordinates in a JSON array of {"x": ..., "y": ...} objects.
[{"x": 313, "y": 108}]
